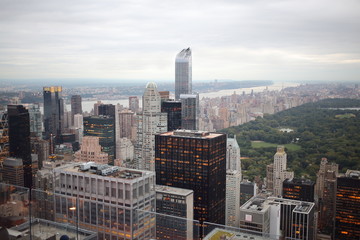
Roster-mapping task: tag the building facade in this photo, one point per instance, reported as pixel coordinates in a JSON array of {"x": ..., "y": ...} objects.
[
  {"x": 53, "y": 111},
  {"x": 134, "y": 104},
  {"x": 103, "y": 127},
  {"x": 195, "y": 160},
  {"x": 347, "y": 214},
  {"x": 149, "y": 122},
  {"x": 13, "y": 171},
  {"x": 19, "y": 140},
  {"x": 76, "y": 107},
  {"x": 189, "y": 111},
  {"x": 233, "y": 161},
  {"x": 280, "y": 170},
  {"x": 233, "y": 181},
  {"x": 177, "y": 202},
  {"x": 108, "y": 199},
  {"x": 173, "y": 110},
  {"x": 183, "y": 73},
  {"x": 299, "y": 189},
  {"x": 90, "y": 151}
]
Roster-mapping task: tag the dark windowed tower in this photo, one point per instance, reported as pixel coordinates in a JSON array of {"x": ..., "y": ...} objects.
[
  {"x": 173, "y": 109},
  {"x": 190, "y": 111},
  {"x": 76, "y": 107},
  {"x": 19, "y": 139},
  {"x": 299, "y": 189},
  {"x": 194, "y": 160},
  {"x": 4, "y": 135},
  {"x": 104, "y": 128},
  {"x": 183, "y": 73},
  {"x": 107, "y": 110},
  {"x": 53, "y": 112},
  {"x": 347, "y": 214}
]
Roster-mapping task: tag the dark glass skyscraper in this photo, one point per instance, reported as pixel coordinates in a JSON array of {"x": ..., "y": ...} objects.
[
  {"x": 107, "y": 110},
  {"x": 19, "y": 139},
  {"x": 53, "y": 112},
  {"x": 299, "y": 189},
  {"x": 183, "y": 73},
  {"x": 190, "y": 111},
  {"x": 104, "y": 128},
  {"x": 173, "y": 109},
  {"x": 76, "y": 107},
  {"x": 194, "y": 160},
  {"x": 347, "y": 214}
]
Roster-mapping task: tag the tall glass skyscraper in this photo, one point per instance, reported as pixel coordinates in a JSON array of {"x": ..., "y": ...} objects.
[
  {"x": 19, "y": 139},
  {"x": 104, "y": 128},
  {"x": 183, "y": 73},
  {"x": 53, "y": 112},
  {"x": 194, "y": 160}
]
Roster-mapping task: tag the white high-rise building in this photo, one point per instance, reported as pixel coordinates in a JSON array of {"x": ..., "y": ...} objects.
[
  {"x": 90, "y": 151},
  {"x": 106, "y": 199},
  {"x": 183, "y": 73},
  {"x": 233, "y": 181},
  {"x": 79, "y": 127},
  {"x": 149, "y": 122},
  {"x": 124, "y": 150},
  {"x": 280, "y": 173},
  {"x": 233, "y": 161}
]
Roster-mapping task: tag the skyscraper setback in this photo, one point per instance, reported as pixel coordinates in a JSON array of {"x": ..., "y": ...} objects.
[{"x": 183, "y": 73}]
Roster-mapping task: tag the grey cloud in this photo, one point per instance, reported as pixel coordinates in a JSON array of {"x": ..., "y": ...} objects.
[{"x": 142, "y": 37}]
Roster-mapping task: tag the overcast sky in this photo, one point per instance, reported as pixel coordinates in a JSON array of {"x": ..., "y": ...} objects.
[{"x": 279, "y": 40}]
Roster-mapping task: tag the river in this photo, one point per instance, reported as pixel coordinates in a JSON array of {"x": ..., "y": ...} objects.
[{"x": 88, "y": 105}]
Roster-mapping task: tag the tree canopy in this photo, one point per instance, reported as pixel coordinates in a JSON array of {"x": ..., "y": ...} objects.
[{"x": 316, "y": 128}]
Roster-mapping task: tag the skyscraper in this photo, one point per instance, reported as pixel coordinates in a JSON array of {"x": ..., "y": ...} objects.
[
  {"x": 233, "y": 181},
  {"x": 19, "y": 139},
  {"x": 53, "y": 112},
  {"x": 90, "y": 151},
  {"x": 35, "y": 120},
  {"x": 233, "y": 155},
  {"x": 183, "y": 73},
  {"x": 104, "y": 128},
  {"x": 325, "y": 193},
  {"x": 298, "y": 189},
  {"x": 347, "y": 214},
  {"x": 195, "y": 160},
  {"x": 173, "y": 110},
  {"x": 280, "y": 173},
  {"x": 178, "y": 202},
  {"x": 4, "y": 135},
  {"x": 106, "y": 198},
  {"x": 76, "y": 107},
  {"x": 13, "y": 171},
  {"x": 150, "y": 122},
  {"x": 134, "y": 103},
  {"x": 190, "y": 111}
]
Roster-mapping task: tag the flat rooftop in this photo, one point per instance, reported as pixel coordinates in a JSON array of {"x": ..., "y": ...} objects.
[
  {"x": 192, "y": 134},
  {"x": 219, "y": 233},
  {"x": 124, "y": 173},
  {"x": 256, "y": 204},
  {"x": 173, "y": 190},
  {"x": 44, "y": 229}
]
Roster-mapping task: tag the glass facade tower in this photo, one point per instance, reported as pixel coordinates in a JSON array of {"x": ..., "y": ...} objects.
[
  {"x": 104, "y": 128},
  {"x": 183, "y": 73},
  {"x": 194, "y": 160}
]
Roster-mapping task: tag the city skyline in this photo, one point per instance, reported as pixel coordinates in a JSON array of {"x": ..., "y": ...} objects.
[{"x": 284, "y": 39}]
